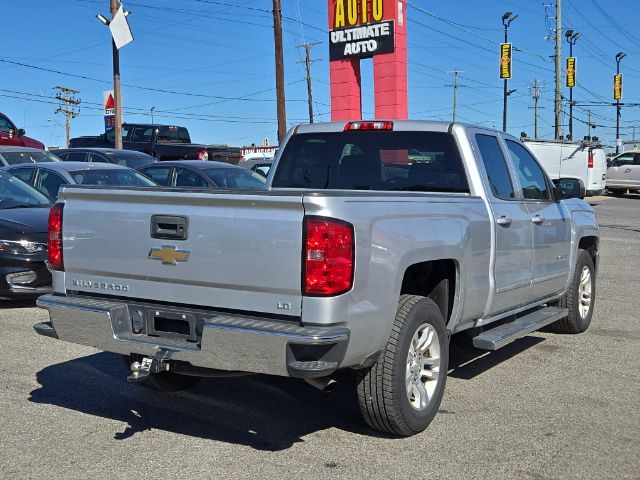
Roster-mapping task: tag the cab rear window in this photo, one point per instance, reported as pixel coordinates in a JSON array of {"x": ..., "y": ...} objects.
[{"x": 372, "y": 160}]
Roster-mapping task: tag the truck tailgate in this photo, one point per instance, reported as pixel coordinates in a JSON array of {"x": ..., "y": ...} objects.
[{"x": 241, "y": 252}]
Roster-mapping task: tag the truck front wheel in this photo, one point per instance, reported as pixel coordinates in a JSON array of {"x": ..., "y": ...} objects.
[
  {"x": 580, "y": 297},
  {"x": 401, "y": 393}
]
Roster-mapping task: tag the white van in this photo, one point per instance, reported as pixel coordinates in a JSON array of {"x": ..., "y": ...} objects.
[{"x": 582, "y": 160}]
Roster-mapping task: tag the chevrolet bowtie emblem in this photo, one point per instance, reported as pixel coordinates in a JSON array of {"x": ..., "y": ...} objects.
[{"x": 169, "y": 255}]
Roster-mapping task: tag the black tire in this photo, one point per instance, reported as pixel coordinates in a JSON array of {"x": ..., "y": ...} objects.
[
  {"x": 615, "y": 192},
  {"x": 382, "y": 391},
  {"x": 574, "y": 322},
  {"x": 165, "y": 381}
]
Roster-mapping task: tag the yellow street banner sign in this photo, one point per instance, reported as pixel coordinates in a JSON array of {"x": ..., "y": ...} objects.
[
  {"x": 617, "y": 86},
  {"x": 505, "y": 61},
  {"x": 571, "y": 72}
]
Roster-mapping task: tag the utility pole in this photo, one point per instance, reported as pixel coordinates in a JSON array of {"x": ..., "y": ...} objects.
[
  {"x": 68, "y": 106},
  {"x": 558, "y": 96},
  {"x": 455, "y": 86},
  {"x": 571, "y": 38},
  {"x": 589, "y": 124},
  {"x": 277, "y": 38},
  {"x": 115, "y": 4},
  {"x": 535, "y": 93},
  {"x": 507, "y": 18},
  {"x": 308, "y": 62},
  {"x": 619, "y": 57}
]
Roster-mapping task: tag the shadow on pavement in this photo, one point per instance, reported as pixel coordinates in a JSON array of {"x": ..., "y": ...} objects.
[
  {"x": 26, "y": 303},
  {"x": 262, "y": 412},
  {"x": 467, "y": 362}
]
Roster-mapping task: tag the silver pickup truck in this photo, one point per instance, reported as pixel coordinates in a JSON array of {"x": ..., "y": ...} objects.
[{"x": 373, "y": 244}]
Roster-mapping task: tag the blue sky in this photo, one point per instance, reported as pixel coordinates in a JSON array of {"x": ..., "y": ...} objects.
[{"x": 210, "y": 53}]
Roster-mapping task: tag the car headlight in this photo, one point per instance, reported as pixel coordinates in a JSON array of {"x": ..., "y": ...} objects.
[{"x": 22, "y": 247}]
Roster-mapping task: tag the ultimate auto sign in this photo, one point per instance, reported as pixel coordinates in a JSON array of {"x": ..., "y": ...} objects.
[{"x": 354, "y": 36}]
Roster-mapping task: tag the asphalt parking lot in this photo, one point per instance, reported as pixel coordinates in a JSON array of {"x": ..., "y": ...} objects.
[{"x": 547, "y": 406}]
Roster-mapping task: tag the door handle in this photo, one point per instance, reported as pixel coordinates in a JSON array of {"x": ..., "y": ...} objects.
[
  {"x": 538, "y": 219},
  {"x": 627, "y": 170},
  {"x": 504, "y": 221}
]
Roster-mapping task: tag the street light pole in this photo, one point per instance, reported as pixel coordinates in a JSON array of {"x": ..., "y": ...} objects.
[
  {"x": 507, "y": 18},
  {"x": 619, "y": 56},
  {"x": 571, "y": 38}
]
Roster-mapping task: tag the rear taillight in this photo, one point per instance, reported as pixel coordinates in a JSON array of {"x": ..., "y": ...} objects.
[
  {"x": 55, "y": 237},
  {"x": 328, "y": 256},
  {"x": 590, "y": 162},
  {"x": 203, "y": 155},
  {"x": 353, "y": 126}
]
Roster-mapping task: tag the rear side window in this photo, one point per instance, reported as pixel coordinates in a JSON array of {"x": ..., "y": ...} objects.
[
  {"x": 95, "y": 158},
  {"x": 142, "y": 134},
  {"x": 76, "y": 157},
  {"x": 160, "y": 175},
  {"x": 168, "y": 134},
  {"x": 187, "y": 178},
  {"x": 372, "y": 160},
  {"x": 496, "y": 167},
  {"x": 49, "y": 183},
  {"x": 24, "y": 174},
  {"x": 183, "y": 135}
]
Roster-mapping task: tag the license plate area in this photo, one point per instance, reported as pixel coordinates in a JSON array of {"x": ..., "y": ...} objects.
[{"x": 172, "y": 324}]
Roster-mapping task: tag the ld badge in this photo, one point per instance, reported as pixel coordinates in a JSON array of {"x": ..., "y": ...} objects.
[{"x": 169, "y": 255}]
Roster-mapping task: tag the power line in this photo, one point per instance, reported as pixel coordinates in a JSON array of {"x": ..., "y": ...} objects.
[{"x": 151, "y": 89}]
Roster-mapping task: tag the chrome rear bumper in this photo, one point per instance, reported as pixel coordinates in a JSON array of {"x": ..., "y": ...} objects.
[{"x": 228, "y": 342}]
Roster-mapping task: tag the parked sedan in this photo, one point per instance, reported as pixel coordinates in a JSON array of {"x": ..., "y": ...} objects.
[
  {"x": 199, "y": 174},
  {"x": 624, "y": 173},
  {"x": 23, "y": 239},
  {"x": 127, "y": 158},
  {"x": 14, "y": 155},
  {"x": 48, "y": 177}
]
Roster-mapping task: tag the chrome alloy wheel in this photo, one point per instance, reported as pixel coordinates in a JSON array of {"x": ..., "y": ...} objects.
[
  {"x": 423, "y": 366},
  {"x": 584, "y": 292}
]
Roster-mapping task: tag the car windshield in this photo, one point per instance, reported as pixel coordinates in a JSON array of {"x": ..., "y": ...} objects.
[
  {"x": 372, "y": 160},
  {"x": 111, "y": 177},
  {"x": 13, "y": 158},
  {"x": 131, "y": 159},
  {"x": 14, "y": 193},
  {"x": 236, "y": 178}
]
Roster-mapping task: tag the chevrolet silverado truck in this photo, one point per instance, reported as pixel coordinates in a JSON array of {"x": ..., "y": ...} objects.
[
  {"x": 374, "y": 243},
  {"x": 164, "y": 142}
]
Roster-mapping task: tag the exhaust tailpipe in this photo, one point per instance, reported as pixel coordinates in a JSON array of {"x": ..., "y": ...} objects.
[{"x": 324, "y": 384}]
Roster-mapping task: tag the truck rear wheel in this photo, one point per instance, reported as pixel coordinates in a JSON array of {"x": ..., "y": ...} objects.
[
  {"x": 580, "y": 297},
  {"x": 400, "y": 394},
  {"x": 164, "y": 381}
]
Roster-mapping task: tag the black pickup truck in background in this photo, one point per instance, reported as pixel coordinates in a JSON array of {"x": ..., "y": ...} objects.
[{"x": 164, "y": 142}]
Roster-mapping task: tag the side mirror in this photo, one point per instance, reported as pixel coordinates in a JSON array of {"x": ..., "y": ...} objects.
[
  {"x": 20, "y": 132},
  {"x": 570, "y": 188}
]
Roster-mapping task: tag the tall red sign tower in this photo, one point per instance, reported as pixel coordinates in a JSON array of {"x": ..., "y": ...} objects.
[{"x": 363, "y": 29}]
